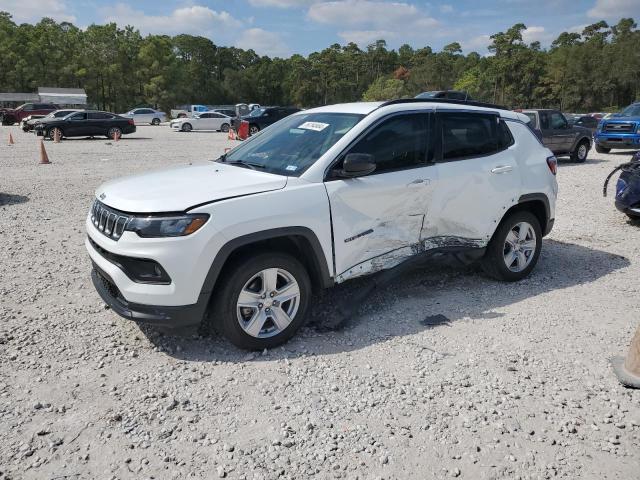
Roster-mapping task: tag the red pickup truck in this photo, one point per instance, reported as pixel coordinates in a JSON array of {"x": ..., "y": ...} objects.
[{"x": 9, "y": 116}]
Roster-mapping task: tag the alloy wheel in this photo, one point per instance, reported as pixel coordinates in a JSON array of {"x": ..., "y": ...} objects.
[
  {"x": 113, "y": 132},
  {"x": 519, "y": 247},
  {"x": 268, "y": 303}
]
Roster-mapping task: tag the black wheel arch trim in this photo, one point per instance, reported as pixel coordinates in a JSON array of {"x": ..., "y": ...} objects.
[
  {"x": 581, "y": 139},
  {"x": 540, "y": 197},
  {"x": 318, "y": 257}
]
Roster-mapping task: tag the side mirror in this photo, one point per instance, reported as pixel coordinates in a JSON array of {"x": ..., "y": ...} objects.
[{"x": 357, "y": 165}]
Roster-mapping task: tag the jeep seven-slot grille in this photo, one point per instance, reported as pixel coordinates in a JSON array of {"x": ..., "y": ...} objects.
[
  {"x": 619, "y": 127},
  {"x": 111, "y": 223}
]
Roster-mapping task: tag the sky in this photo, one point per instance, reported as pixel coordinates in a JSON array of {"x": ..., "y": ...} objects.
[{"x": 284, "y": 27}]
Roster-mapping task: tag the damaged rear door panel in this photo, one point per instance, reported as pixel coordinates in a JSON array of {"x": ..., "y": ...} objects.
[
  {"x": 377, "y": 219},
  {"x": 478, "y": 180}
]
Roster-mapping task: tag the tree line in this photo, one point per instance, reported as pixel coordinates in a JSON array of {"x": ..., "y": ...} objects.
[{"x": 597, "y": 69}]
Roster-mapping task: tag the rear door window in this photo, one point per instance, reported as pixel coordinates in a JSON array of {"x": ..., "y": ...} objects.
[
  {"x": 99, "y": 116},
  {"x": 467, "y": 135},
  {"x": 545, "y": 123}
]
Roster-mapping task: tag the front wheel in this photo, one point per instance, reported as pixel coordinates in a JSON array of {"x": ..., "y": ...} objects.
[
  {"x": 155, "y": 122},
  {"x": 579, "y": 155},
  {"x": 600, "y": 149},
  {"x": 515, "y": 247},
  {"x": 187, "y": 127},
  {"x": 224, "y": 128},
  {"x": 263, "y": 301},
  {"x": 53, "y": 132}
]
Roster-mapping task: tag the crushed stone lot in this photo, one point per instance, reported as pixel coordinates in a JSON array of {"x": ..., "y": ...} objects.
[{"x": 513, "y": 382}]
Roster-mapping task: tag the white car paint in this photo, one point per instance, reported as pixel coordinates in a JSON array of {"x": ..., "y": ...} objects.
[
  {"x": 362, "y": 224},
  {"x": 202, "y": 121},
  {"x": 155, "y": 192},
  {"x": 142, "y": 116}
]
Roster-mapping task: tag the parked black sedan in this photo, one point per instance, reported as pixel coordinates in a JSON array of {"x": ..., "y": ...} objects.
[
  {"x": 30, "y": 123},
  {"x": 86, "y": 124},
  {"x": 263, "y": 117}
]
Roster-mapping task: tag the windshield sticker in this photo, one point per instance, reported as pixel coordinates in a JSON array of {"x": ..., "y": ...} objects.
[
  {"x": 315, "y": 126},
  {"x": 291, "y": 168}
]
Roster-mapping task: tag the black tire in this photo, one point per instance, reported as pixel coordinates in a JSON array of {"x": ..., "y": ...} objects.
[
  {"x": 224, "y": 128},
  {"x": 253, "y": 129},
  {"x": 112, "y": 133},
  {"x": 186, "y": 127},
  {"x": 51, "y": 133},
  {"x": 579, "y": 154},
  {"x": 155, "y": 122},
  {"x": 224, "y": 311},
  {"x": 494, "y": 263},
  {"x": 600, "y": 149}
]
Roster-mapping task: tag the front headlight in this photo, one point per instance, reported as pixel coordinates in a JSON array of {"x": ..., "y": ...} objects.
[{"x": 169, "y": 226}]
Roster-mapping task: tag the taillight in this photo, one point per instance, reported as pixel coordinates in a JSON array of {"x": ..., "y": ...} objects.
[
  {"x": 552, "y": 162},
  {"x": 131, "y": 121}
]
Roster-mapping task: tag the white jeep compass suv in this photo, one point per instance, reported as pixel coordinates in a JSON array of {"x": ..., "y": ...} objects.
[{"x": 321, "y": 197}]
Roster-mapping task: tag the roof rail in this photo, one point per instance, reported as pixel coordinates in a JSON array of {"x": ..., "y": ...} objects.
[{"x": 443, "y": 100}]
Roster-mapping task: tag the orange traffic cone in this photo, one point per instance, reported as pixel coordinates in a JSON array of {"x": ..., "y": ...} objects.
[
  {"x": 44, "y": 158},
  {"x": 116, "y": 136},
  {"x": 10, "y": 139},
  {"x": 628, "y": 370},
  {"x": 56, "y": 135},
  {"x": 232, "y": 134}
]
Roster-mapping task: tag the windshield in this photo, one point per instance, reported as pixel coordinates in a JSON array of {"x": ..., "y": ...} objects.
[
  {"x": 257, "y": 112},
  {"x": 631, "y": 111},
  {"x": 532, "y": 117},
  {"x": 427, "y": 95},
  {"x": 292, "y": 145}
]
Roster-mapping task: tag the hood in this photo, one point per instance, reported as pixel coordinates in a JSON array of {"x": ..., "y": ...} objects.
[
  {"x": 178, "y": 189},
  {"x": 49, "y": 120}
]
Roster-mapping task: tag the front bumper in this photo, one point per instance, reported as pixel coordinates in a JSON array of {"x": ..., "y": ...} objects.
[
  {"x": 619, "y": 140},
  {"x": 159, "y": 315}
]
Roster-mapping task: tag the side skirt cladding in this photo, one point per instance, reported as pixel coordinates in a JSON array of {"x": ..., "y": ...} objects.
[{"x": 464, "y": 249}]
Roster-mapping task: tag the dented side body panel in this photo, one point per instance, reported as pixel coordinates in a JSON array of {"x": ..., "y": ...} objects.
[
  {"x": 378, "y": 218},
  {"x": 379, "y": 221},
  {"x": 469, "y": 200}
]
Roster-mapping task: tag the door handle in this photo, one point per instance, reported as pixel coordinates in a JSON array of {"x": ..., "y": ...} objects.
[{"x": 502, "y": 169}]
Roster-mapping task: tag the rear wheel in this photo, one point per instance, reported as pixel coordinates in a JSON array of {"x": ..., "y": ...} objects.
[
  {"x": 155, "y": 122},
  {"x": 579, "y": 155},
  {"x": 253, "y": 129},
  {"x": 600, "y": 149},
  {"x": 186, "y": 127},
  {"x": 224, "y": 128},
  {"x": 515, "y": 247},
  {"x": 263, "y": 301},
  {"x": 113, "y": 131}
]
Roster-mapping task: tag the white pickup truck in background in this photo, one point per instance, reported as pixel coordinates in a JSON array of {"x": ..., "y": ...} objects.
[{"x": 188, "y": 110}]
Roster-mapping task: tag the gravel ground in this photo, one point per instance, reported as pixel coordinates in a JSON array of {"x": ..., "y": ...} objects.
[{"x": 514, "y": 383}]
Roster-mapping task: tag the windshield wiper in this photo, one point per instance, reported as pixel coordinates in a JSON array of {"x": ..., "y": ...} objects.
[{"x": 243, "y": 163}]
